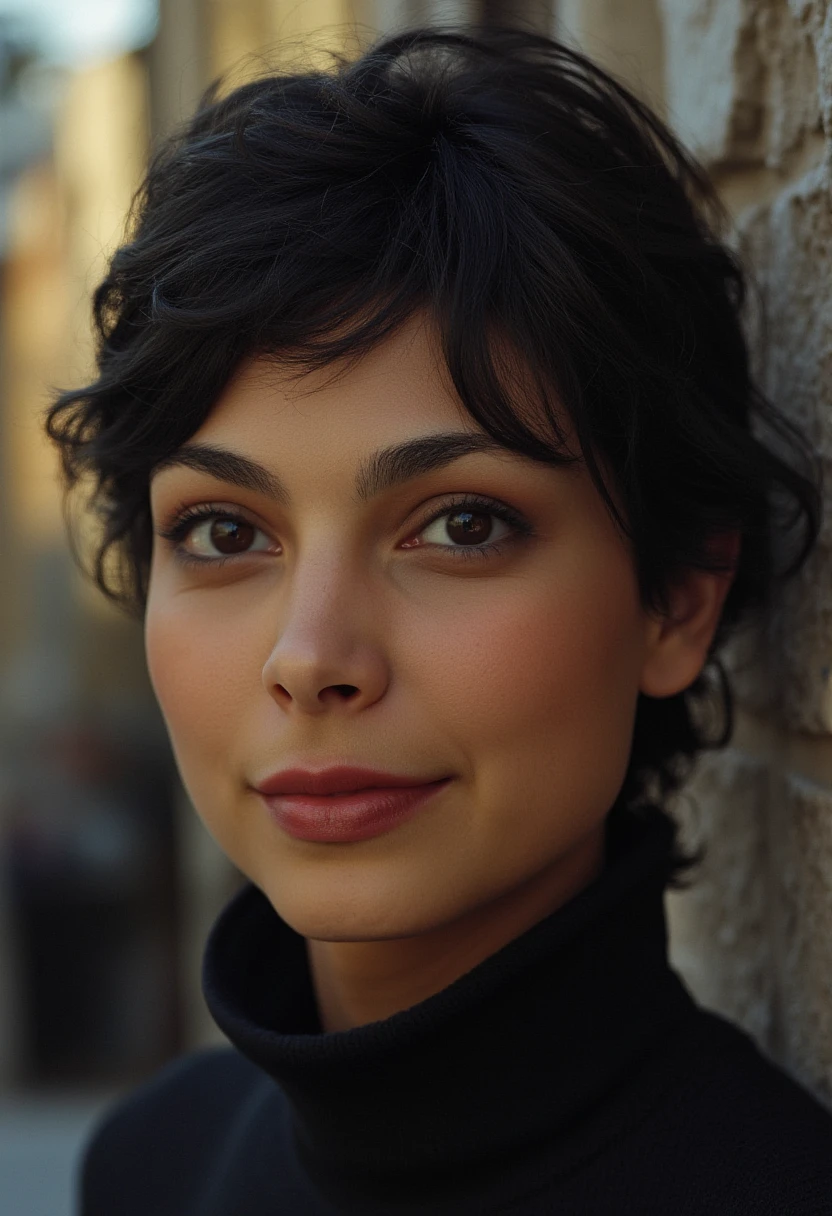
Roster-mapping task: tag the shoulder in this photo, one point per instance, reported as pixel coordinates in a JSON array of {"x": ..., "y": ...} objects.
[
  {"x": 759, "y": 1091},
  {"x": 164, "y": 1132},
  {"x": 743, "y": 1133},
  {"x": 205, "y": 1085}
]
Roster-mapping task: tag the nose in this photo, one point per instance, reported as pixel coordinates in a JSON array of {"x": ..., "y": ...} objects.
[{"x": 328, "y": 655}]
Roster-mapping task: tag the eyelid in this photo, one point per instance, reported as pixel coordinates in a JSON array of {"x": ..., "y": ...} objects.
[
  {"x": 194, "y": 512},
  {"x": 178, "y": 525},
  {"x": 478, "y": 502}
]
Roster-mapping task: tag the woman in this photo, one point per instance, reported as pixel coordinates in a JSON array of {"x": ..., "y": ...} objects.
[{"x": 422, "y": 441}]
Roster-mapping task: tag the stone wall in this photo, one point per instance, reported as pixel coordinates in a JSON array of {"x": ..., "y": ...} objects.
[{"x": 748, "y": 85}]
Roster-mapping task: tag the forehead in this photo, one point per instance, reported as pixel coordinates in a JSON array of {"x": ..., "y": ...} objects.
[
  {"x": 399, "y": 388},
  {"x": 401, "y": 385}
]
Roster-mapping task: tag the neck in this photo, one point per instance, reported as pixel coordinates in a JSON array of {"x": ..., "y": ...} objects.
[
  {"x": 454, "y": 1096},
  {"x": 356, "y": 983}
]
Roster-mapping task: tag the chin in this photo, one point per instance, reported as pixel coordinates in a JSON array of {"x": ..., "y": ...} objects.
[{"x": 338, "y": 912}]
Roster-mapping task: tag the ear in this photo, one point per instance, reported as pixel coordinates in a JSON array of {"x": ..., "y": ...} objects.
[{"x": 678, "y": 641}]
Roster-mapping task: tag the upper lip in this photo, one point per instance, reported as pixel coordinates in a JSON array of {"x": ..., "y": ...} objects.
[{"x": 342, "y": 779}]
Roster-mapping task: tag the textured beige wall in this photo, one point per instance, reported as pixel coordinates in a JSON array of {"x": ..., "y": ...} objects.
[{"x": 749, "y": 85}]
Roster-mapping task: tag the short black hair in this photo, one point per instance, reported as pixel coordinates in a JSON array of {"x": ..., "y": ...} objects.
[{"x": 530, "y": 203}]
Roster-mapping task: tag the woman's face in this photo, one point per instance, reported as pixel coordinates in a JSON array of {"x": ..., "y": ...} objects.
[{"x": 514, "y": 670}]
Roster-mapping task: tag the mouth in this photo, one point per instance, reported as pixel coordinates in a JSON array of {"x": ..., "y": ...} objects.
[
  {"x": 336, "y": 781},
  {"x": 352, "y": 815}
]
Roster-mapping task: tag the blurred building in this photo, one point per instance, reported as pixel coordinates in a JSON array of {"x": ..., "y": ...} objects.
[
  {"x": 86, "y": 780},
  {"x": 109, "y": 881}
]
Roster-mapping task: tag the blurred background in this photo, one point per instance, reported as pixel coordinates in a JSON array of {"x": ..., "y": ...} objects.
[{"x": 109, "y": 883}]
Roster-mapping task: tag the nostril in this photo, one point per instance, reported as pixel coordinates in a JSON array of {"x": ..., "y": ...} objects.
[{"x": 346, "y": 690}]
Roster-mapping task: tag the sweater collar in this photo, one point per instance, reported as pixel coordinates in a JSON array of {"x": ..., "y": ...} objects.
[{"x": 512, "y": 1054}]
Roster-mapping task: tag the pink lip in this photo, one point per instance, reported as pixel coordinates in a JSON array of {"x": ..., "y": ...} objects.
[
  {"x": 341, "y": 779},
  {"x": 363, "y": 803}
]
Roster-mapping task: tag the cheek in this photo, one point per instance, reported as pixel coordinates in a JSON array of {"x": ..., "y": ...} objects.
[
  {"x": 198, "y": 670},
  {"x": 543, "y": 677}
]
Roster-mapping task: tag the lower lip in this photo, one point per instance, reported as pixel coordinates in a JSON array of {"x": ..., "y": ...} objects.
[{"x": 343, "y": 817}]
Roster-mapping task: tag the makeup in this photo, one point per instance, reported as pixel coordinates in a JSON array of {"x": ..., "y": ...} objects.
[{"x": 343, "y": 804}]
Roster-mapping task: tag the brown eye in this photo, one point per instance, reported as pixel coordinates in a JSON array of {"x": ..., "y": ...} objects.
[
  {"x": 229, "y": 536},
  {"x": 465, "y": 528},
  {"x": 218, "y": 535},
  {"x": 469, "y": 527}
]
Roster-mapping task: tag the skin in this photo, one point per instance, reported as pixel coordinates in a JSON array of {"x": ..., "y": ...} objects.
[{"x": 517, "y": 674}]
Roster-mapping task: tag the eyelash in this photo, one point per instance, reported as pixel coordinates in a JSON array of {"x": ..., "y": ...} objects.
[{"x": 185, "y": 520}]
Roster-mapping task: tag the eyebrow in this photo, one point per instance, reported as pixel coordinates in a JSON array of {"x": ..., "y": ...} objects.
[{"x": 382, "y": 470}]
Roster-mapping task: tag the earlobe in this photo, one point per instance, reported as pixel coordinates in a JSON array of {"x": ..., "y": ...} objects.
[{"x": 677, "y": 643}]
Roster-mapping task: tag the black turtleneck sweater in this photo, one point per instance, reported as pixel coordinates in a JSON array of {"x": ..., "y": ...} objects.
[{"x": 571, "y": 1073}]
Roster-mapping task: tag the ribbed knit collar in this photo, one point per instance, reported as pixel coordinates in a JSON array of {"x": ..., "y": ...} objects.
[{"x": 519, "y": 1051}]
